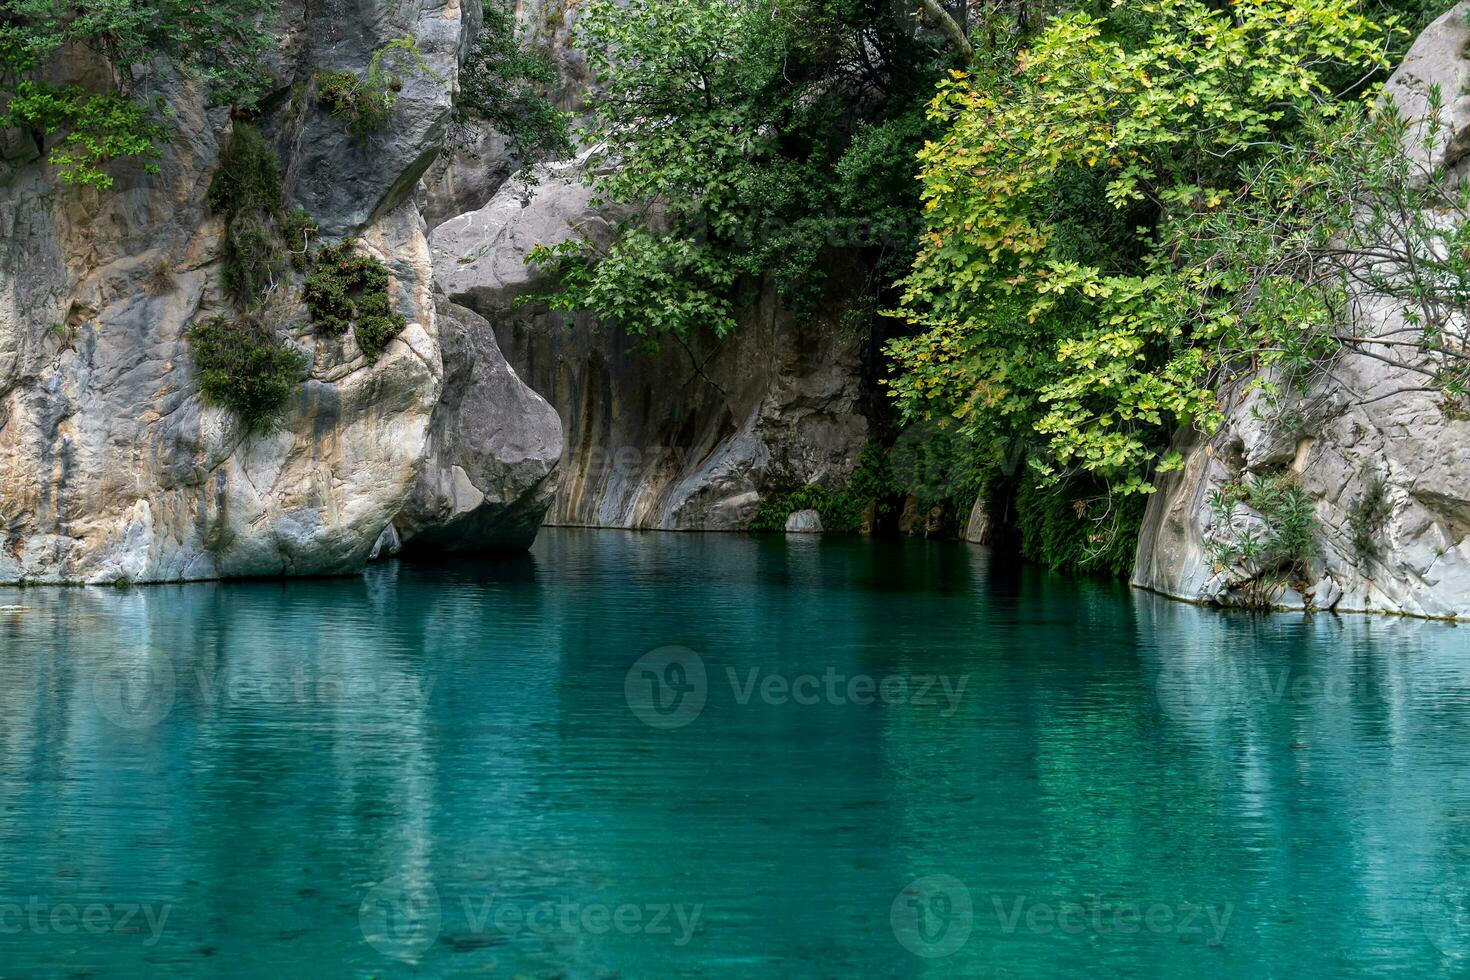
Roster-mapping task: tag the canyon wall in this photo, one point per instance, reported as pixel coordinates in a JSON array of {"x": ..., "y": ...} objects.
[
  {"x": 1386, "y": 464},
  {"x": 112, "y": 467}
]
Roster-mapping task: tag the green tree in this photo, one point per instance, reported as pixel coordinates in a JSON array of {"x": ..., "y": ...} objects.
[
  {"x": 1028, "y": 329},
  {"x": 745, "y": 139},
  {"x": 504, "y": 85}
]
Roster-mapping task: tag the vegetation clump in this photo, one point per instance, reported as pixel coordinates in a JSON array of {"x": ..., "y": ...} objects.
[
  {"x": 873, "y": 484},
  {"x": 365, "y": 105},
  {"x": 363, "y": 109},
  {"x": 1280, "y": 548},
  {"x": 503, "y": 85},
  {"x": 220, "y": 43},
  {"x": 348, "y": 289},
  {"x": 1367, "y": 517},
  {"x": 245, "y": 368},
  {"x": 805, "y": 115},
  {"x": 261, "y": 239}
]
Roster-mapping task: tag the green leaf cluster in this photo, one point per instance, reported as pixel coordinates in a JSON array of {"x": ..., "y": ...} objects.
[
  {"x": 504, "y": 85},
  {"x": 262, "y": 241},
  {"x": 1054, "y": 298},
  {"x": 245, "y": 368},
  {"x": 349, "y": 289},
  {"x": 746, "y": 140},
  {"x": 219, "y": 42}
]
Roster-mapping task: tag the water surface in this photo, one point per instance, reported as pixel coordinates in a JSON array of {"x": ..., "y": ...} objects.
[{"x": 500, "y": 768}]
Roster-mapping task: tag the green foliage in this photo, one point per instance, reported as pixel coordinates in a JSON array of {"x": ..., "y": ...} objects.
[
  {"x": 218, "y": 42},
  {"x": 1049, "y": 292},
  {"x": 803, "y": 116},
  {"x": 99, "y": 129},
  {"x": 1077, "y": 528},
  {"x": 1284, "y": 545},
  {"x": 365, "y": 105},
  {"x": 261, "y": 239},
  {"x": 243, "y": 367},
  {"x": 1366, "y": 518},
  {"x": 1320, "y": 220},
  {"x": 503, "y": 85},
  {"x": 873, "y": 483},
  {"x": 348, "y": 289},
  {"x": 842, "y": 512},
  {"x": 363, "y": 109}
]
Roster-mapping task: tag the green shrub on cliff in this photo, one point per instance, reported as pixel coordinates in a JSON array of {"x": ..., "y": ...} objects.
[
  {"x": 218, "y": 42},
  {"x": 245, "y": 368},
  {"x": 261, "y": 240},
  {"x": 348, "y": 289},
  {"x": 504, "y": 85}
]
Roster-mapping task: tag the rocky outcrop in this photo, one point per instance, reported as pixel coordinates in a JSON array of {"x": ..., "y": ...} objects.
[
  {"x": 494, "y": 444},
  {"x": 674, "y": 435},
  {"x": 112, "y": 468},
  {"x": 804, "y": 522},
  {"x": 1386, "y": 465}
]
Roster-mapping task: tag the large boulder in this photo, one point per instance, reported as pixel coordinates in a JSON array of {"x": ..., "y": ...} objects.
[
  {"x": 111, "y": 467},
  {"x": 1386, "y": 466},
  {"x": 494, "y": 445},
  {"x": 674, "y": 435}
]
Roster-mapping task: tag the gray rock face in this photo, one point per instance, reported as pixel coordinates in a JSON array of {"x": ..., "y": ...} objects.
[
  {"x": 977, "y": 528},
  {"x": 111, "y": 467},
  {"x": 493, "y": 450},
  {"x": 682, "y": 437},
  {"x": 1361, "y": 428},
  {"x": 344, "y": 180},
  {"x": 804, "y": 522}
]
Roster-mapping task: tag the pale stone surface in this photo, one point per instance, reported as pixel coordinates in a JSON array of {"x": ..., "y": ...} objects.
[
  {"x": 682, "y": 437},
  {"x": 804, "y": 522},
  {"x": 977, "y": 528},
  {"x": 494, "y": 445},
  {"x": 111, "y": 467},
  {"x": 1364, "y": 423}
]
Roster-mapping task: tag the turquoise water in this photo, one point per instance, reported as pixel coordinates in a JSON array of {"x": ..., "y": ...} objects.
[{"x": 700, "y": 756}]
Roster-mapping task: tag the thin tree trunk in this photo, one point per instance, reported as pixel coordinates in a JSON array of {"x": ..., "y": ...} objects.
[{"x": 952, "y": 30}]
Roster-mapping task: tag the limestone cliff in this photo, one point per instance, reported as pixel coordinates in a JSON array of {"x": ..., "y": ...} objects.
[
  {"x": 112, "y": 467},
  {"x": 673, "y": 435},
  {"x": 1366, "y": 444}
]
